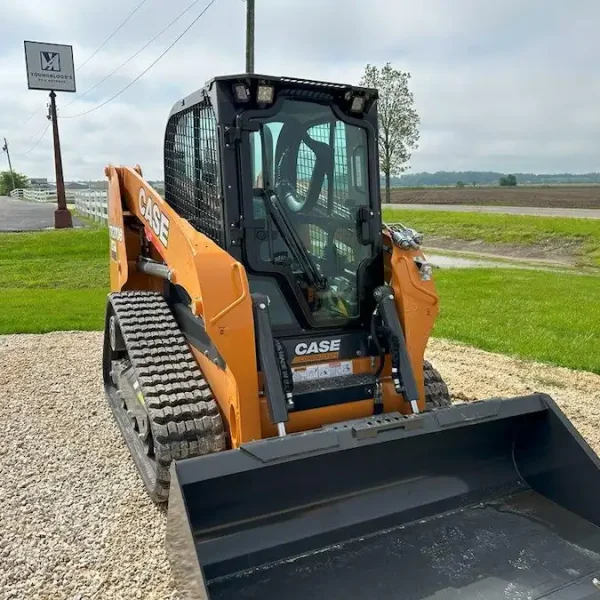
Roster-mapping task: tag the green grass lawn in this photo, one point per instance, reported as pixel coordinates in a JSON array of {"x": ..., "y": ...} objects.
[
  {"x": 540, "y": 315},
  {"x": 53, "y": 280},
  {"x": 582, "y": 234},
  {"x": 58, "y": 280}
]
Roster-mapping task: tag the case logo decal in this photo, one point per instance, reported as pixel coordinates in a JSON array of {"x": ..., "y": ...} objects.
[
  {"x": 155, "y": 218},
  {"x": 302, "y": 349}
]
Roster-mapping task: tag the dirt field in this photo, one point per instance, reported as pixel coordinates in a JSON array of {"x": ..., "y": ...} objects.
[{"x": 552, "y": 196}]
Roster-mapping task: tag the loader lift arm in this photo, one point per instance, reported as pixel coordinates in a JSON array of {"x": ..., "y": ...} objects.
[{"x": 221, "y": 310}]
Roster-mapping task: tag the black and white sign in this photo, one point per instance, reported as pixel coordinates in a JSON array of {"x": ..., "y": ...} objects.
[{"x": 49, "y": 67}]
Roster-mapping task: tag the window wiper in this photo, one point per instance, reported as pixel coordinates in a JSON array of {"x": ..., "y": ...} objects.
[{"x": 290, "y": 235}]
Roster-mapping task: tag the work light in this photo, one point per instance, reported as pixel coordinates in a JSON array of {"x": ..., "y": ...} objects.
[
  {"x": 358, "y": 104},
  {"x": 265, "y": 94},
  {"x": 241, "y": 91}
]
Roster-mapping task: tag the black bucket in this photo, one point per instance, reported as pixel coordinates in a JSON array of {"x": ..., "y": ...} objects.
[{"x": 491, "y": 500}]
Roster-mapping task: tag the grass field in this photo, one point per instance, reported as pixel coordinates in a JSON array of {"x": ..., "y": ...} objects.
[
  {"x": 58, "y": 280},
  {"x": 544, "y": 316},
  {"x": 579, "y": 236},
  {"x": 53, "y": 280},
  {"x": 554, "y": 196}
]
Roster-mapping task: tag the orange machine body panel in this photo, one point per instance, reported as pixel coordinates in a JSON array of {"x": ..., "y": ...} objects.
[
  {"x": 216, "y": 283},
  {"x": 218, "y": 287}
]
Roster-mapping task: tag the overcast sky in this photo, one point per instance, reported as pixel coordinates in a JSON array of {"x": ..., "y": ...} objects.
[{"x": 503, "y": 85}]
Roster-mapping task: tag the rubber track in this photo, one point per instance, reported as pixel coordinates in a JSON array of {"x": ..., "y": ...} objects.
[
  {"x": 184, "y": 417},
  {"x": 436, "y": 390}
]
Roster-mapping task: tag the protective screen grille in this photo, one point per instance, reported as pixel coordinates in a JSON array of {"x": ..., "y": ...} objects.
[
  {"x": 334, "y": 195},
  {"x": 192, "y": 181}
]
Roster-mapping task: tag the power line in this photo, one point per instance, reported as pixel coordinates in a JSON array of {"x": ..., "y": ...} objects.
[
  {"x": 87, "y": 112},
  {"x": 37, "y": 142},
  {"x": 85, "y": 62},
  {"x": 136, "y": 54},
  {"x": 34, "y": 135},
  {"x": 35, "y": 112}
]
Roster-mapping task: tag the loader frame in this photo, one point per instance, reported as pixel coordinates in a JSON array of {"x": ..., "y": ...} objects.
[{"x": 155, "y": 248}]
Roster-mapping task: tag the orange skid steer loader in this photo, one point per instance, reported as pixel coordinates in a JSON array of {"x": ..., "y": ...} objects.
[{"x": 263, "y": 357}]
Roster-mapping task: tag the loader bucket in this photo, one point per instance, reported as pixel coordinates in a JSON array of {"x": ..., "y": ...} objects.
[{"x": 490, "y": 500}]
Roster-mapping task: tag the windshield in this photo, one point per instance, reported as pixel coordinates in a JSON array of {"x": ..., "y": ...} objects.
[{"x": 309, "y": 173}]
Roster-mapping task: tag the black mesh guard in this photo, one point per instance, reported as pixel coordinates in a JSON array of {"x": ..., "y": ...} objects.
[
  {"x": 332, "y": 197},
  {"x": 192, "y": 181}
]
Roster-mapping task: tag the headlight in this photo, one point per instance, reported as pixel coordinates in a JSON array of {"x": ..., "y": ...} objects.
[
  {"x": 358, "y": 104},
  {"x": 265, "y": 94},
  {"x": 241, "y": 91}
]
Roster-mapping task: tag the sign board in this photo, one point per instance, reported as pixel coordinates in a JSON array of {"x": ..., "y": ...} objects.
[{"x": 49, "y": 67}]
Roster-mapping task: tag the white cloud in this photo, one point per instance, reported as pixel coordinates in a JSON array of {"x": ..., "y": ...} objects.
[{"x": 503, "y": 85}]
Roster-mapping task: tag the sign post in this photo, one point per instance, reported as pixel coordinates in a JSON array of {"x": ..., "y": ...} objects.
[{"x": 50, "y": 67}]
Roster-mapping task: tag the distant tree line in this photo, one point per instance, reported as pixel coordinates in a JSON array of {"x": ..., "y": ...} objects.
[{"x": 451, "y": 178}]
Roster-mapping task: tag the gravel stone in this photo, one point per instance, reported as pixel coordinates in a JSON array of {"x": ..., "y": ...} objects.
[
  {"x": 75, "y": 520},
  {"x": 473, "y": 374}
]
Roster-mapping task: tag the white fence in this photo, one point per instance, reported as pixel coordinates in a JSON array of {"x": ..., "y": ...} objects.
[
  {"x": 92, "y": 204},
  {"x": 34, "y": 195},
  {"x": 89, "y": 203}
]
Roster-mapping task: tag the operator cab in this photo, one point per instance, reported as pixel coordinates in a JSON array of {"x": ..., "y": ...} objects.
[{"x": 301, "y": 206}]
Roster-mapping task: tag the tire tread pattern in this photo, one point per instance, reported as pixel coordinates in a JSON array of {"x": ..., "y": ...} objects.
[
  {"x": 436, "y": 390},
  {"x": 184, "y": 417}
]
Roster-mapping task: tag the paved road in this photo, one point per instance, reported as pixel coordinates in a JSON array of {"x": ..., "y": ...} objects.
[
  {"x": 583, "y": 213},
  {"x": 21, "y": 215}
]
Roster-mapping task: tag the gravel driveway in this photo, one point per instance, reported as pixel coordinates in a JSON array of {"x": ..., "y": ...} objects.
[{"x": 75, "y": 521}]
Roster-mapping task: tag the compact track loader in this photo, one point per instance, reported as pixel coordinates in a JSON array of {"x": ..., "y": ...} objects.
[{"x": 263, "y": 357}]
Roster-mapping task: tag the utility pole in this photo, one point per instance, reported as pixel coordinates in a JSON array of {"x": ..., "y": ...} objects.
[
  {"x": 12, "y": 173},
  {"x": 62, "y": 215},
  {"x": 249, "y": 36}
]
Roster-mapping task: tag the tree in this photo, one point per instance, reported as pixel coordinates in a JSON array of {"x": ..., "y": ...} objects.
[
  {"x": 398, "y": 119},
  {"x": 460, "y": 184},
  {"x": 508, "y": 180},
  {"x": 6, "y": 182}
]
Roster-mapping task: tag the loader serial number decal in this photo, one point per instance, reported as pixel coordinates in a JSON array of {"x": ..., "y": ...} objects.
[
  {"x": 116, "y": 233},
  {"x": 113, "y": 251},
  {"x": 154, "y": 217}
]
